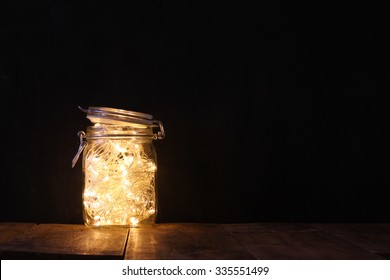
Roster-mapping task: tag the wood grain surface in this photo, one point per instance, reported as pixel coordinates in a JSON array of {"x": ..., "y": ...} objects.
[
  {"x": 197, "y": 241},
  {"x": 373, "y": 237},
  {"x": 63, "y": 242},
  {"x": 298, "y": 241},
  {"x": 184, "y": 241}
]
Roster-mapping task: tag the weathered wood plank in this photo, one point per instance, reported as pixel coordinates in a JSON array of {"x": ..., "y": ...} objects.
[
  {"x": 196, "y": 241},
  {"x": 183, "y": 241},
  {"x": 271, "y": 227},
  {"x": 276, "y": 241},
  {"x": 9, "y": 231},
  {"x": 61, "y": 241},
  {"x": 373, "y": 237}
]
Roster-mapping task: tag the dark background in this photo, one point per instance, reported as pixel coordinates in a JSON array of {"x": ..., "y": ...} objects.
[{"x": 274, "y": 111}]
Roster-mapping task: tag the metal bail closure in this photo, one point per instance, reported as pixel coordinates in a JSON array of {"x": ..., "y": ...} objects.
[
  {"x": 161, "y": 133},
  {"x": 83, "y": 143}
]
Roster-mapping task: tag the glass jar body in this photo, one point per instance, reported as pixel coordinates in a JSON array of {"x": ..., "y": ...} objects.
[{"x": 119, "y": 170}]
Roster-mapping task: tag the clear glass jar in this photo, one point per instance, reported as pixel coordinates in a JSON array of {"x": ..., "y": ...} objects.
[{"x": 119, "y": 167}]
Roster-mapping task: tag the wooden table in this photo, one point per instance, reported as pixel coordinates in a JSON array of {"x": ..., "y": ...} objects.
[{"x": 191, "y": 241}]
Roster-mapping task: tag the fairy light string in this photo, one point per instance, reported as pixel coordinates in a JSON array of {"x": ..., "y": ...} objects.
[{"x": 119, "y": 187}]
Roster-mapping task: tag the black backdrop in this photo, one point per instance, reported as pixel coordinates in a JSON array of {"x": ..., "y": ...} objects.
[{"x": 274, "y": 111}]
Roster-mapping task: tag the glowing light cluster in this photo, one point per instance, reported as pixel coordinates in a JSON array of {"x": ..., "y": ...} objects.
[{"x": 119, "y": 187}]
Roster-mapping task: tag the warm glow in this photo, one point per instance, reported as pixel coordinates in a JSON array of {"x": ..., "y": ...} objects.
[{"x": 119, "y": 183}]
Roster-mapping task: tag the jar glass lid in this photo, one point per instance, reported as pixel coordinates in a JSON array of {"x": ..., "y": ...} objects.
[{"x": 106, "y": 115}]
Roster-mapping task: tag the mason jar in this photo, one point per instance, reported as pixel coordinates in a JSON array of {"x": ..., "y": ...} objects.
[{"x": 119, "y": 167}]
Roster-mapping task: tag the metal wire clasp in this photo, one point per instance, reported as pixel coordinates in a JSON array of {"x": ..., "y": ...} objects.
[
  {"x": 83, "y": 143},
  {"x": 161, "y": 133}
]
